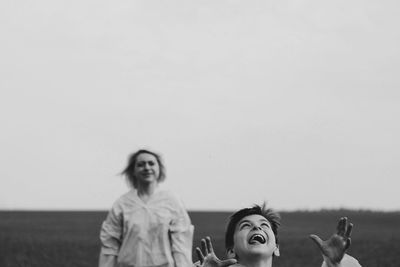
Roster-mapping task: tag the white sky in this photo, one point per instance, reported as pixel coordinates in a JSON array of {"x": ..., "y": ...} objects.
[{"x": 294, "y": 102}]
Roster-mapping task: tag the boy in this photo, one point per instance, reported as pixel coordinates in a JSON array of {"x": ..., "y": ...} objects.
[{"x": 251, "y": 240}]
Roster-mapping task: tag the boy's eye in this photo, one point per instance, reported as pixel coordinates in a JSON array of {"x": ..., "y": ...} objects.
[
  {"x": 265, "y": 225},
  {"x": 244, "y": 225},
  {"x": 151, "y": 163}
]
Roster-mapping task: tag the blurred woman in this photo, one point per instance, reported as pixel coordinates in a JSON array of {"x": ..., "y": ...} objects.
[{"x": 147, "y": 226}]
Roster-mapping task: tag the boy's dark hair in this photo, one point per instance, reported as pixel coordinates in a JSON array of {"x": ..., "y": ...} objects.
[{"x": 269, "y": 214}]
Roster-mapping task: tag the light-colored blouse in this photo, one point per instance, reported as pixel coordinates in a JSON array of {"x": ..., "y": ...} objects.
[{"x": 156, "y": 233}]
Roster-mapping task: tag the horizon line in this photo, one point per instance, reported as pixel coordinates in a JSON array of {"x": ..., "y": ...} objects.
[{"x": 215, "y": 211}]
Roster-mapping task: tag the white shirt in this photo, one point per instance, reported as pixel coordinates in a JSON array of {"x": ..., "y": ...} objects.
[
  {"x": 347, "y": 261},
  {"x": 155, "y": 233}
]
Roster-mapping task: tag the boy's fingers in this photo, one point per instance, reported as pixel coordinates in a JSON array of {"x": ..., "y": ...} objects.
[
  {"x": 204, "y": 246},
  {"x": 317, "y": 240},
  {"x": 228, "y": 262},
  {"x": 348, "y": 231},
  {"x": 209, "y": 245},
  {"x": 200, "y": 255},
  {"x": 341, "y": 227},
  {"x": 348, "y": 243}
]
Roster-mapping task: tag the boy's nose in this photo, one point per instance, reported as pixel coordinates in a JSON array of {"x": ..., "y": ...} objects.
[{"x": 257, "y": 227}]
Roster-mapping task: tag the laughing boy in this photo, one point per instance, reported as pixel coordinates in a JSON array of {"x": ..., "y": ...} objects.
[{"x": 251, "y": 240}]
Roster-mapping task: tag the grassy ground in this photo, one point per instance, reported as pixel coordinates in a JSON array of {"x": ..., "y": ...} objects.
[{"x": 58, "y": 239}]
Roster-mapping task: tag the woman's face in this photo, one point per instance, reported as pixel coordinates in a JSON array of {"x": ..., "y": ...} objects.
[{"x": 147, "y": 169}]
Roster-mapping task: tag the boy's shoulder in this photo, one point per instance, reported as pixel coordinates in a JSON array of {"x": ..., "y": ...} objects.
[{"x": 347, "y": 261}]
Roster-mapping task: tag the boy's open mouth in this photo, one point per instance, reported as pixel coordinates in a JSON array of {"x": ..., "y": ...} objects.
[{"x": 257, "y": 238}]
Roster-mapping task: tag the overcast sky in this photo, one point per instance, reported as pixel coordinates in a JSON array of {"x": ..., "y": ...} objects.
[{"x": 293, "y": 102}]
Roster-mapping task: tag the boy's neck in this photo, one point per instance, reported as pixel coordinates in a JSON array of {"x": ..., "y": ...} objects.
[{"x": 256, "y": 262}]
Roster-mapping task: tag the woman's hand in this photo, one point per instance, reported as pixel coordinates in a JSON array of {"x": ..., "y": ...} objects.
[
  {"x": 334, "y": 248},
  {"x": 207, "y": 256}
]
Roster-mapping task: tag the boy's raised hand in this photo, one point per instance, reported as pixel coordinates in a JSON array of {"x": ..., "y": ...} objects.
[
  {"x": 334, "y": 248},
  {"x": 207, "y": 256}
]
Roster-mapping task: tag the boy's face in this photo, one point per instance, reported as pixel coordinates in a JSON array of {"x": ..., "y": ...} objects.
[{"x": 254, "y": 237}]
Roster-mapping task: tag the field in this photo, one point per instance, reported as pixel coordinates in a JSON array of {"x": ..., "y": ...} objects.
[{"x": 61, "y": 239}]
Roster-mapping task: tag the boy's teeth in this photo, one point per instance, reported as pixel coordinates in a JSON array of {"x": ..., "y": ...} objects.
[{"x": 257, "y": 238}]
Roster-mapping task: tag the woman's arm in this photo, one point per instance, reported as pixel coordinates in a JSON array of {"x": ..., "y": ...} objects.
[
  {"x": 181, "y": 231},
  {"x": 107, "y": 260},
  {"x": 110, "y": 237}
]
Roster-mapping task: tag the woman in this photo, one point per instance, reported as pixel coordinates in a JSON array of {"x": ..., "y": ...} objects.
[{"x": 146, "y": 226}]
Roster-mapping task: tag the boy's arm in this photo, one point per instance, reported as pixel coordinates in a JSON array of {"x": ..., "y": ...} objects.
[{"x": 333, "y": 250}]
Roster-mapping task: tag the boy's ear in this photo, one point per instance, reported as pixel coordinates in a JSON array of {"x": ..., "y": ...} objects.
[
  {"x": 276, "y": 251},
  {"x": 230, "y": 253}
]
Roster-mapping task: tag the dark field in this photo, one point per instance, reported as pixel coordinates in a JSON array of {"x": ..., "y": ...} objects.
[{"x": 70, "y": 239}]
